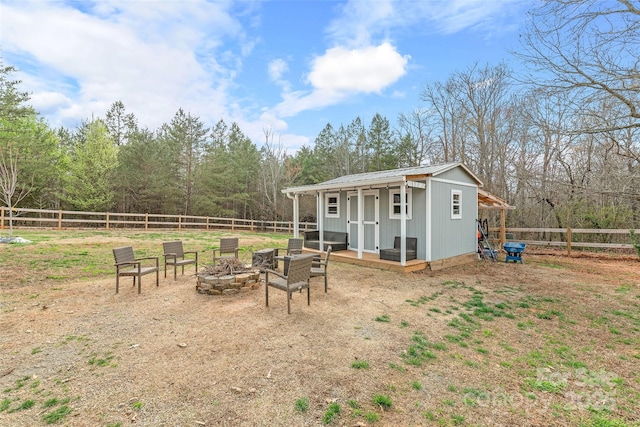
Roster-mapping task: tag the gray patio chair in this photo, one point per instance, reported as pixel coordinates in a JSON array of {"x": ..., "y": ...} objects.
[
  {"x": 228, "y": 245},
  {"x": 296, "y": 280},
  {"x": 128, "y": 265},
  {"x": 294, "y": 247},
  {"x": 174, "y": 254},
  {"x": 319, "y": 267}
]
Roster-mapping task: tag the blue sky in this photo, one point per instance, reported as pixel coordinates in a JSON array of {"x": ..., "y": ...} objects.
[{"x": 288, "y": 66}]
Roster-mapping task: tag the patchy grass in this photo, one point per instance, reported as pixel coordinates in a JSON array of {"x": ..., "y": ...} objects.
[{"x": 553, "y": 341}]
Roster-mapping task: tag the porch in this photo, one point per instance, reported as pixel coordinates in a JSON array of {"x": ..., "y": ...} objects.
[{"x": 372, "y": 260}]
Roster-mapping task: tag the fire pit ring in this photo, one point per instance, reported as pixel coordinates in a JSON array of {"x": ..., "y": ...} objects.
[{"x": 230, "y": 276}]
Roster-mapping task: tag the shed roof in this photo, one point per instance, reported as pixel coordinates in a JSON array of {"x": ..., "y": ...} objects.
[
  {"x": 487, "y": 200},
  {"x": 380, "y": 178}
]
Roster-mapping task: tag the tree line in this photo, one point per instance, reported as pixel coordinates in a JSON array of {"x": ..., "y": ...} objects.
[{"x": 560, "y": 141}]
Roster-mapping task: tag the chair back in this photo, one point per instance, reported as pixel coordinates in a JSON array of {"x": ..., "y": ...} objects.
[
  {"x": 326, "y": 259},
  {"x": 228, "y": 244},
  {"x": 412, "y": 243},
  {"x": 174, "y": 248},
  {"x": 294, "y": 246},
  {"x": 124, "y": 254},
  {"x": 299, "y": 269}
]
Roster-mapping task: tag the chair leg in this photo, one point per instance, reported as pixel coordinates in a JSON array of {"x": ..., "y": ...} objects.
[
  {"x": 139, "y": 282},
  {"x": 308, "y": 295},
  {"x": 325, "y": 282},
  {"x": 266, "y": 294},
  {"x": 288, "y": 303},
  {"x": 117, "y": 282},
  {"x": 157, "y": 277}
]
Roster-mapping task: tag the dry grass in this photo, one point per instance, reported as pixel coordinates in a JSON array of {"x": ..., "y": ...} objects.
[{"x": 555, "y": 341}]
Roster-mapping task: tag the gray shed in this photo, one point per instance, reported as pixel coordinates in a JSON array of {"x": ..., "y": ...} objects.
[{"x": 432, "y": 207}]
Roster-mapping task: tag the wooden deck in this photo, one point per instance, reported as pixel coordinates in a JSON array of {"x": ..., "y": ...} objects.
[{"x": 373, "y": 261}]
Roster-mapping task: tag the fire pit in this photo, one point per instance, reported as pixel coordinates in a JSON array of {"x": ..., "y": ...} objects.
[{"x": 230, "y": 276}]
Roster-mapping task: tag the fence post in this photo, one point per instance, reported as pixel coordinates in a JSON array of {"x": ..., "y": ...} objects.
[
  {"x": 146, "y": 221},
  {"x": 107, "y": 221},
  {"x": 59, "y": 220},
  {"x": 569, "y": 242},
  {"x": 233, "y": 224},
  {"x": 179, "y": 222},
  {"x": 2, "y": 219}
]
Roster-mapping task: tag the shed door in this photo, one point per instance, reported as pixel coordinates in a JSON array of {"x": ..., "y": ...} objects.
[{"x": 370, "y": 223}]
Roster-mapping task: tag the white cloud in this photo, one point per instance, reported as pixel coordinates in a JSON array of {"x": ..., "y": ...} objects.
[
  {"x": 341, "y": 73},
  {"x": 365, "y": 70},
  {"x": 361, "y": 21},
  {"x": 276, "y": 69},
  {"x": 154, "y": 59}
]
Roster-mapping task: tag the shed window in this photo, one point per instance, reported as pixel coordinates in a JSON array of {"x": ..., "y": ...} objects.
[
  {"x": 395, "y": 206},
  {"x": 332, "y": 203},
  {"x": 456, "y": 204}
]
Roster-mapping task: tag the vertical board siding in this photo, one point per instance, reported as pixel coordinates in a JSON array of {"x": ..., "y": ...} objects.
[
  {"x": 453, "y": 237},
  {"x": 337, "y": 224}
]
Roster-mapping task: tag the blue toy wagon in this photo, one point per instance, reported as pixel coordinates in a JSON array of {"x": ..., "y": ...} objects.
[{"x": 514, "y": 251}]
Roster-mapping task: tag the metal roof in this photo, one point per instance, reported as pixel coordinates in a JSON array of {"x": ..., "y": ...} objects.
[{"x": 380, "y": 178}]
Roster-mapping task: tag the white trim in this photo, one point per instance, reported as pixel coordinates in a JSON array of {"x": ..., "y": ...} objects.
[
  {"x": 456, "y": 203},
  {"x": 429, "y": 222},
  {"x": 329, "y": 205},
  {"x": 416, "y": 184},
  {"x": 393, "y": 203},
  {"x": 449, "y": 181}
]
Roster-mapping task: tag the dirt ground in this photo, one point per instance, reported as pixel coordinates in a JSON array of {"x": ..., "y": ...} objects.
[{"x": 173, "y": 357}]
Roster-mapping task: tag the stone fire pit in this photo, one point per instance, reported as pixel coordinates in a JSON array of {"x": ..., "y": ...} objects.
[{"x": 230, "y": 276}]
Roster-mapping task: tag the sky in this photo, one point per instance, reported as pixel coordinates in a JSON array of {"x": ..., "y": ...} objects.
[{"x": 289, "y": 67}]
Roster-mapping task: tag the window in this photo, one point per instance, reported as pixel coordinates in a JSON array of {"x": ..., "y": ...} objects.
[
  {"x": 332, "y": 203},
  {"x": 395, "y": 205},
  {"x": 456, "y": 204}
]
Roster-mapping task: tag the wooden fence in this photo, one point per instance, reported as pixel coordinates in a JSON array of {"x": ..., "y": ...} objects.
[
  {"x": 598, "y": 239},
  {"x": 62, "y": 220}
]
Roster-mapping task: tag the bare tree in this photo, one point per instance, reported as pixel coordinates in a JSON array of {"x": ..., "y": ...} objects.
[
  {"x": 10, "y": 191},
  {"x": 273, "y": 172},
  {"x": 417, "y": 144},
  {"x": 590, "y": 48}
]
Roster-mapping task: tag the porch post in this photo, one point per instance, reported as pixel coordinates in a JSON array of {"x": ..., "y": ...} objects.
[
  {"x": 429, "y": 221},
  {"x": 360, "y": 223},
  {"x": 403, "y": 223},
  {"x": 321, "y": 219},
  {"x": 296, "y": 210}
]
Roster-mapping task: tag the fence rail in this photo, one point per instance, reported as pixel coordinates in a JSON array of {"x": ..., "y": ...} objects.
[
  {"x": 570, "y": 238},
  {"x": 58, "y": 219}
]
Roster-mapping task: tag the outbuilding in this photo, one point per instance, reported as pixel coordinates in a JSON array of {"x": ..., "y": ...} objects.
[{"x": 429, "y": 212}]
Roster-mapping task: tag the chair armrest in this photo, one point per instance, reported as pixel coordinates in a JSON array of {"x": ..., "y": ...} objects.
[
  {"x": 280, "y": 275},
  {"x": 122, "y": 264},
  {"x": 191, "y": 252},
  {"x": 149, "y": 258}
]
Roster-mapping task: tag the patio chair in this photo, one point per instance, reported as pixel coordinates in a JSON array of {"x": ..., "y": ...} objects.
[
  {"x": 319, "y": 267},
  {"x": 228, "y": 245},
  {"x": 174, "y": 254},
  {"x": 294, "y": 247},
  {"x": 296, "y": 280},
  {"x": 128, "y": 265}
]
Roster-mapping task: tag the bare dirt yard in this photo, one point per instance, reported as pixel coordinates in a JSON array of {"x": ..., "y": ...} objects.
[{"x": 554, "y": 341}]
